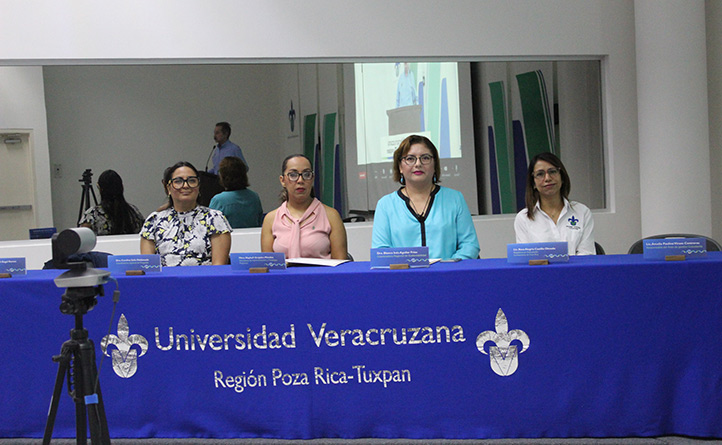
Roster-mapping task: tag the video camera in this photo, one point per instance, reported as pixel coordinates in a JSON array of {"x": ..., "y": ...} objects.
[{"x": 83, "y": 282}]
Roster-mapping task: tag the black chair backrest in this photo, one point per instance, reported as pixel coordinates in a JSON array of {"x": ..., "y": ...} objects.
[
  {"x": 599, "y": 249},
  {"x": 638, "y": 246},
  {"x": 355, "y": 218},
  {"x": 96, "y": 259}
]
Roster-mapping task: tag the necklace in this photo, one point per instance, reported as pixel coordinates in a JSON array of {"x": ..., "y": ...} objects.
[
  {"x": 426, "y": 205},
  {"x": 554, "y": 214},
  {"x": 423, "y": 211}
]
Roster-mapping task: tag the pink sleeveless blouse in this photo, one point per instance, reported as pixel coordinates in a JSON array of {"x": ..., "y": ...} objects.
[{"x": 306, "y": 237}]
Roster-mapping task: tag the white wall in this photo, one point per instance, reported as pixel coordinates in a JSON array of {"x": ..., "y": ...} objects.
[
  {"x": 714, "y": 84},
  {"x": 138, "y": 120},
  {"x": 260, "y": 30},
  {"x": 672, "y": 108},
  {"x": 22, "y": 107},
  {"x": 580, "y": 131}
]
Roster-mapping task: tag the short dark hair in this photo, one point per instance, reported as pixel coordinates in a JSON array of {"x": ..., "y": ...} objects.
[
  {"x": 168, "y": 175},
  {"x": 225, "y": 127},
  {"x": 232, "y": 173},
  {"x": 404, "y": 148},
  {"x": 532, "y": 194}
]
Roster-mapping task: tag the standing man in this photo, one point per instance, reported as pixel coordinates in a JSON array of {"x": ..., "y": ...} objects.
[
  {"x": 406, "y": 88},
  {"x": 224, "y": 147}
]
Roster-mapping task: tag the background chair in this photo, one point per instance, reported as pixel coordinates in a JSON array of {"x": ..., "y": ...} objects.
[
  {"x": 599, "y": 249},
  {"x": 354, "y": 218},
  {"x": 41, "y": 233},
  {"x": 96, "y": 259},
  {"x": 712, "y": 245}
]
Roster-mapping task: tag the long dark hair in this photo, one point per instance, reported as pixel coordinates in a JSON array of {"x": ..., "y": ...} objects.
[
  {"x": 168, "y": 175},
  {"x": 123, "y": 219},
  {"x": 532, "y": 194}
]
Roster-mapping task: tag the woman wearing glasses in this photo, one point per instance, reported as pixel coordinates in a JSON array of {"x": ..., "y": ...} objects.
[
  {"x": 549, "y": 216},
  {"x": 185, "y": 233},
  {"x": 422, "y": 213},
  {"x": 302, "y": 227}
]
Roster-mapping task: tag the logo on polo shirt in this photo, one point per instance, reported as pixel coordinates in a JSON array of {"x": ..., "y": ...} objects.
[
  {"x": 503, "y": 357},
  {"x": 124, "y": 355},
  {"x": 573, "y": 223}
]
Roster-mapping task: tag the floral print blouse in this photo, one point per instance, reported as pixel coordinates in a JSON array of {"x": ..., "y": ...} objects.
[
  {"x": 184, "y": 238},
  {"x": 101, "y": 225}
]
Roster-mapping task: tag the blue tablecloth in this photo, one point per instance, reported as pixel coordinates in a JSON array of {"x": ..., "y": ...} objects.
[{"x": 606, "y": 346}]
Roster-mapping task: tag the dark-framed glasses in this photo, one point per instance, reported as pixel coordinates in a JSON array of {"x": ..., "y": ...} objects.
[
  {"x": 192, "y": 181},
  {"x": 540, "y": 174},
  {"x": 411, "y": 159},
  {"x": 293, "y": 175}
]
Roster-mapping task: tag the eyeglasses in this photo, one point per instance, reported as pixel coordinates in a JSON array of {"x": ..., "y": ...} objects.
[
  {"x": 540, "y": 174},
  {"x": 411, "y": 159},
  {"x": 192, "y": 181},
  {"x": 293, "y": 175}
]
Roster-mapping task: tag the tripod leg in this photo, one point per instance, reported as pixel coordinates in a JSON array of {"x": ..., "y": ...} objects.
[
  {"x": 104, "y": 433},
  {"x": 79, "y": 377},
  {"x": 93, "y": 401},
  {"x": 63, "y": 360},
  {"x": 84, "y": 203}
]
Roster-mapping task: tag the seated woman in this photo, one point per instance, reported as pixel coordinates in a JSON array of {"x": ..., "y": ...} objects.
[
  {"x": 302, "y": 227},
  {"x": 185, "y": 233},
  {"x": 421, "y": 213},
  {"x": 549, "y": 216},
  {"x": 113, "y": 216},
  {"x": 240, "y": 205}
]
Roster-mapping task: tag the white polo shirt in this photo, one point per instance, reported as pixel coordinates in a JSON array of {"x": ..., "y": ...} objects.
[{"x": 575, "y": 226}]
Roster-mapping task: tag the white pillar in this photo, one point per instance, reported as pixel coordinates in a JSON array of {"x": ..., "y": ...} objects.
[
  {"x": 674, "y": 151},
  {"x": 714, "y": 72}
]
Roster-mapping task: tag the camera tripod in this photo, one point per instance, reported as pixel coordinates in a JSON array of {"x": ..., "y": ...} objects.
[
  {"x": 86, "y": 193},
  {"x": 77, "y": 361}
]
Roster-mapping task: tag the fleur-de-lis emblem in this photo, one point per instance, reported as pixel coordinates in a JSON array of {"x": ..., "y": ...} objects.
[
  {"x": 125, "y": 357},
  {"x": 503, "y": 357},
  {"x": 292, "y": 117},
  {"x": 573, "y": 221}
]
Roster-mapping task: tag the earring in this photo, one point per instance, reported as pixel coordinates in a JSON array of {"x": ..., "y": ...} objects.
[
  {"x": 402, "y": 180},
  {"x": 434, "y": 178}
]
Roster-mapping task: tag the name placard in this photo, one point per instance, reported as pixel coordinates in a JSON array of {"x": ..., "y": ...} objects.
[
  {"x": 557, "y": 252},
  {"x": 384, "y": 257},
  {"x": 13, "y": 266},
  {"x": 119, "y": 264},
  {"x": 659, "y": 249},
  {"x": 246, "y": 261}
]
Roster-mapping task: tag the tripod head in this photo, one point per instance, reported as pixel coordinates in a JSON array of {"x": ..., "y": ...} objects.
[
  {"x": 79, "y": 300},
  {"x": 87, "y": 178}
]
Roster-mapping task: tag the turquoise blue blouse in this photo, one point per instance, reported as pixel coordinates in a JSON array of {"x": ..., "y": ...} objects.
[{"x": 447, "y": 229}]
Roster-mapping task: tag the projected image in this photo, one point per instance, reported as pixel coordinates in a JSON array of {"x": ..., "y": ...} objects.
[{"x": 394, "y": 100}]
